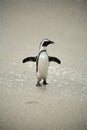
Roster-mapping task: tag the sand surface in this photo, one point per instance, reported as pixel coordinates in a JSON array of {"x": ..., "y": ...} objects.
[{"x": 62, "y": 104}]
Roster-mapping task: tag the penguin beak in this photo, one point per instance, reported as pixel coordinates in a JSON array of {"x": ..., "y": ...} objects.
[{"x": 51, "y": 42}]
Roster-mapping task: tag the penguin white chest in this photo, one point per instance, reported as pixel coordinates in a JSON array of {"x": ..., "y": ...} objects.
[{"x": 43, "y": 65}]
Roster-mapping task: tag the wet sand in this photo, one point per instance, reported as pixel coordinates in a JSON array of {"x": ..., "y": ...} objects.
[{"x": 62, "y": 104}]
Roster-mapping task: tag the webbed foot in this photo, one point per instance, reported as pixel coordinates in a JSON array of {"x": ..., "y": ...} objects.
[
  {"x": 44, "y": 82},
  {"x": 38, "y": 84}
]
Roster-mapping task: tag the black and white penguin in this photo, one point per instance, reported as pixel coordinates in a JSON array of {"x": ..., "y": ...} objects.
[{"x": 42, "y": 61}]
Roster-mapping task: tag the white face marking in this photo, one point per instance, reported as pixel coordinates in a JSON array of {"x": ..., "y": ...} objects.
[{"x": 43, "y": 47}]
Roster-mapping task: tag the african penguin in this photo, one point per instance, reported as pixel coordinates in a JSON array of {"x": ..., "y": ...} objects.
[{"x": 42, "y": 61}]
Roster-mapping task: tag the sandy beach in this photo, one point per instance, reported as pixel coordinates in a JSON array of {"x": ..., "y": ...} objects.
[{"x": 62, "y": 104}]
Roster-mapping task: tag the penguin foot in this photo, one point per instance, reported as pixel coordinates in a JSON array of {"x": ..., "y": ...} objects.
[
  {"x": 44, "y": 82},
  {"x": 38, "y": 84}
]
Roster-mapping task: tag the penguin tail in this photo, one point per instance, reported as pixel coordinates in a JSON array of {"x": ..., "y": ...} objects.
[
  {"x": 54, "y": 59},
  {"x": 33, "y": 59}
]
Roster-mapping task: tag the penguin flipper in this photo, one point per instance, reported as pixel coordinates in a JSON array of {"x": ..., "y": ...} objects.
[
  {"x": 33, "y": 59},
  {"x": 54, "y": 59}
]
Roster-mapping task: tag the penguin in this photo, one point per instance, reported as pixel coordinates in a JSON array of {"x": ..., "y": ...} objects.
[{"x": 42, "y": 61}]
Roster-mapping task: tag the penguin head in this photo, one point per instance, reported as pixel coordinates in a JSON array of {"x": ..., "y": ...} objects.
[{"x": 44, "y": 43}]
